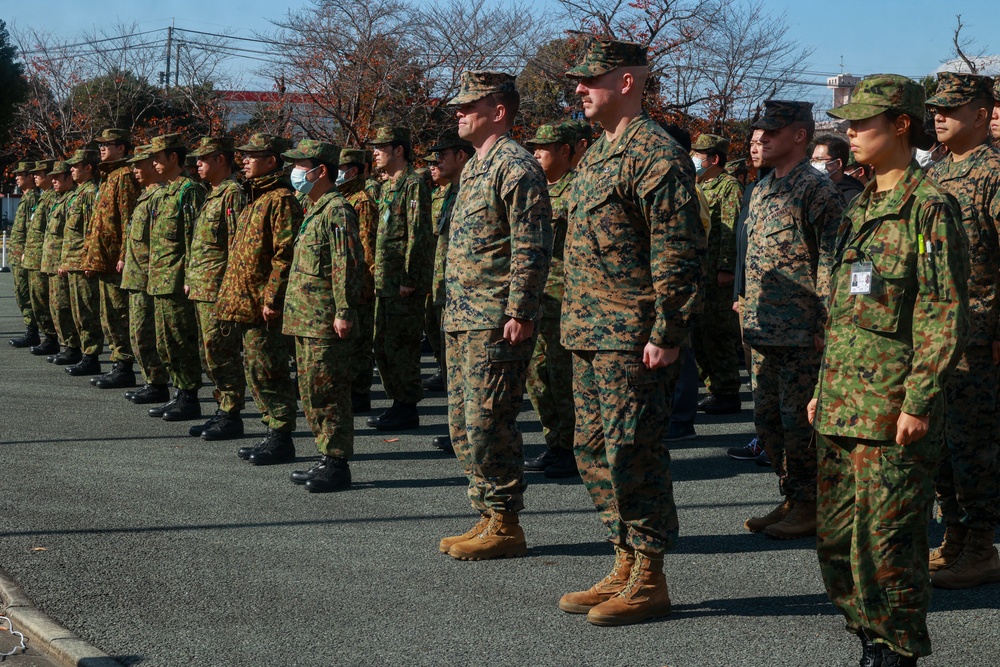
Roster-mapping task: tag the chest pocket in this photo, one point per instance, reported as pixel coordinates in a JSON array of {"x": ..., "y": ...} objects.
[{"x": 879, "y": 310}]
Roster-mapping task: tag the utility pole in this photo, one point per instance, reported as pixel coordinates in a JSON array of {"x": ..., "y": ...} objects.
[{"x": 170, "y": 39}]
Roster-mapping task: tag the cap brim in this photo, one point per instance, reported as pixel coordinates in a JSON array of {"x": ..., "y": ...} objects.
[
  {"x": 770, "y": 124},
  {"x": 853, "y": 111},
  {"x": 588, "y": 70},
  {"x": 948, "y": 102},
  {"x": 202, "y": 152},
  {"x": 465, "y": 98},
  {"x": 295, "y": 155}
]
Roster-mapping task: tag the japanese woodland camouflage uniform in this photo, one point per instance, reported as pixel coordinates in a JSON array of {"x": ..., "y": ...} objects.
[
  {"x": 716, "y": 331},
  {"x": 968, "y": 485},
  {"x": 38, "y": 282},
  {"x": 325, "y": 282},
  {"x": 214, "y": 232},
  {"x": 135, "y": 274},
  {"x": 259, "y": 261},
  {"x": 792, "y": 231},
  {"x": 442, "y": 207},
  {"x": 84, "y": 291},
  {"x": 18, "y": 232},
  {"x": 363, "y": 331},
  {"x": 550, "y": 373},
  {"x": 59, "y": 301},
  {"x": 103, "y": 249},
  {"x": 634, "y": 275},
  {"x": 170, "y": 233},
  {"x": 499, "y": 249},
  {"x": 404, "y": 256}
]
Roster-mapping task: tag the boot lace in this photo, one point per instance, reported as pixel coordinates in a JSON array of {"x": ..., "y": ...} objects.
[
  {"x": 620, "y": 557},
  {"x": 633, "y": 576}
]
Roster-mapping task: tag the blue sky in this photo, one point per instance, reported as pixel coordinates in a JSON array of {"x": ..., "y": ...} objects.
[{"x": 909, "y": 38}]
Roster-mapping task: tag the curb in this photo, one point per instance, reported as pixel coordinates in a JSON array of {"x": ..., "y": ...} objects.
[{"x": 56, "y": 642}]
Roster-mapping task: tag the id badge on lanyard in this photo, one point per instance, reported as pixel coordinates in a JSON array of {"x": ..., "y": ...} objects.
[{"x": 861, "y": 278}]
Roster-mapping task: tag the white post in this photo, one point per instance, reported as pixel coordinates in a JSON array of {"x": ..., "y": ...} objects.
[{"x": 3, "y": 261}]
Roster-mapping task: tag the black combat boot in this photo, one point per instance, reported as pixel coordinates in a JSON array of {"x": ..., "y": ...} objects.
[
  {"x": 121, "y": 375},
  {"x": 335, "y": 475},
  {"x": 871, "y": 654},
  {"x": 892, "y": 659},
  {"x": 443, "y": 442},
  {"x": 243, "y": 453},
  {"x": 276, "y": 448},
  {"x": 49, "y": 345},
  {"x": 29, "y": 339},
  {"x": 160, "y": 410},
  {"x": 227, "y": 426},
  {"x": 68, "y": 356},
  {"x": 400, "y": 417},
  {"x": 435, "y": 382},
  {"x": 186, "y": 406},
  {"x": 149, "y": 393},
  {"x": 90, "y": 364},
  {"x": 303, "y": 476}
]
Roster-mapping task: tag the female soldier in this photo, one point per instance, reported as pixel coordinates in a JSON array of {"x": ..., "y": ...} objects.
[{"x": 897, "y": 323}]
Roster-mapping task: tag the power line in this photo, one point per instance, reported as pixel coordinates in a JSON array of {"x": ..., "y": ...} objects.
[{"x": 63, "y": 47}]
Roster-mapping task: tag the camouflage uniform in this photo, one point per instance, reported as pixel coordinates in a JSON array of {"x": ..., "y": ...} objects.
[
  {"x": 363, "y": 331},
  {"x": 634, "y": 275},
  {"x": 875, "y": 495},
  {"x": 716, "y": 333},
  {"x": 18, "y": 232},
  {"x": 103, "y": 247},
  {"x": 257, "y": 275},
  {"x": 550, "y": 373},
  {"x": 214, "y": 232},
  {"x": 792, "y": 231},
  {"x": 442, "y": 206},
  {"x": 170, "y": 232},
  {"x": 58, "y": 293},
  {"x": 135, "y": 274},
  {"x": 83, "y": 290},
  {"x": 404, "y": 256},
  {"x": 499, "y": 249},
  {"x": 324, "y": 284},
  {"x": 38, "y": 283},
  {"x": 967, "y": 484}
]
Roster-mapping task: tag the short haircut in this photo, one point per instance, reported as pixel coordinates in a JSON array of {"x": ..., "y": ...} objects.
[
  {"x": 680, "y": 135},
  {"x": 836, "y": 146},
  {"x": 407, "y": 149},
  {"x": 181, "y": 154},
  {"x": 916, "y": 128},
  {"x": 511, "y": 101},
  {"x": 808, "y": 125},
  {"x": 331, "y": 168},
  {"x": 716, "y": 152}
]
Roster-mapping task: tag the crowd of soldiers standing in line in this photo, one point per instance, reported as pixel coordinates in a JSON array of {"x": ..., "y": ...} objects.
[{"x": 602, "y": 275}]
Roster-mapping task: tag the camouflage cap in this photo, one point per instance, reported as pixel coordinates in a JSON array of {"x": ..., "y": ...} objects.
[
  {"x": 83, "y": 155},
  {"x": 955, "y": 89},
  {"x": 59, "y": 167},
  {"x": 606, "y": 55},
  {"x": 356, "y": 156},
  {"x": 711, "y": 142},
  {"x": 391, "y": 135},
  {"x": 113, "y": 135},
  {"x": 141, "y": 153},
  {"x": 311, "y": 149},
  {"x": 24, "y": 167},
  {"x": 996, "y": 89},
  {"x": 432, "y": 158},
  {"x": 450, "y": 139},
  {"x": 582, "y": 128},
  {"x": 44, "y": 166},
  {"x": 166, "y": 142},
  {"x": 265, "y": 143},
  {"x": 553, "y": 134},
  {"x": 209, "y": 145},
  {"x": 736, "y": 166},
  {"x": 477, "y": 84},
  {"x": 781, "y": 113},
  {"x": 879, "y": 93}
]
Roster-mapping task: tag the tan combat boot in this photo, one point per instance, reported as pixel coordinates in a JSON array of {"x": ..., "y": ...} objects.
[
  {"x": 581, "y": 602},
  {"x": 501, "y": 538},
  {"x": 946, "y": 554},
  {"x": 447, "y": 543},
  {"x": 800, "y": 522},
  {"x": 759, "y": 523},
  {"x": 645, "y": 596},
  {"x": 978, "y": 564}
]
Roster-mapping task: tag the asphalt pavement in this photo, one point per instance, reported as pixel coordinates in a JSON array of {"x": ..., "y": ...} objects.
[{"x": 163, "y": 550}]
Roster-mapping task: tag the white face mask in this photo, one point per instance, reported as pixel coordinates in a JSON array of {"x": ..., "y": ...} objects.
[
  {"x": 342, "y": 177},
  {"x": 820, "y": 166},
  {"x": 925, "y": 158}
]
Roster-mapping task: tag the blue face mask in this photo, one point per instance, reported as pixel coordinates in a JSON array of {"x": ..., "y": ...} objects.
[
  {"x": 299, "y": 181},
  {"x": 699, "y": 167}
]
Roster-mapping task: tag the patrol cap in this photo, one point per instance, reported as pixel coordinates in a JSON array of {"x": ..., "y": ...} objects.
[
  {"x": 450, "y": 139},
  {"x": 141, "y": 153},
  {"x": 782, "y": 113},
  {"x": 582, "y": 128},
  {"x": 477, "y": 84},
  {"x": 879, "y": 93},
  {"x": 553, "y": 134},
  {"x": 736, "y": 166},
  {"x": 167, "y": 142},
  {"x": 210, "y": 145},
  {"x": 23, "y": 167},
  {"x": 265, "y": 143},
  {"x": 356, "y": 156},
  {"x": 84, "y": 155},
  {"x": 711, "y": 142},
  {"x": 996, "y": 89},
  {"x": 955, "y": 89},
  {"x": 311, "y": 149},
  {"x": 113, "y": 135},
  {"x": 391, "y": 135},
  {"x": 605, "y": 55},
  {"x": 44, "y": 166},
  {"x": 432, "y": 158},
  {"x": 59, "y": 167}
]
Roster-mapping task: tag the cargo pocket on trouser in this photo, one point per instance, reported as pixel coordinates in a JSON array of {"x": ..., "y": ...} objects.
[
  {"x": 506, "y": 368},
  {"x": 906, "y": 623}
]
